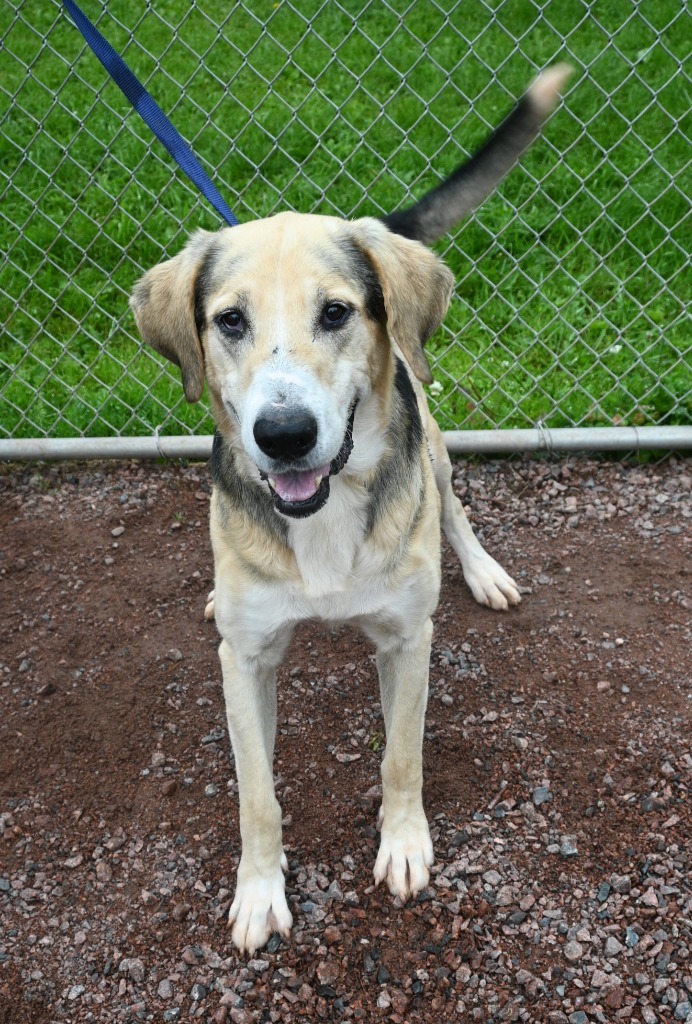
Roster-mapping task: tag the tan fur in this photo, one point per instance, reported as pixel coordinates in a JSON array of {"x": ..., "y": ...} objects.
[{"x": 163, "y": 307}]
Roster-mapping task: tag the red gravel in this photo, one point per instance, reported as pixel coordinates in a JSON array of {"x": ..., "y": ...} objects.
[{"x": 557, "y": 762}]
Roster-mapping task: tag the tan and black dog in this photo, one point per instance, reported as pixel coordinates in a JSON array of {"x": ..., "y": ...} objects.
[{"x": 330, "y": 475}]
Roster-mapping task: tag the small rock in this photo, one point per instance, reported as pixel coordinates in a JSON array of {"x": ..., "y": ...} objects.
[
  {"x": 492, "y": 877},
  {"x": 198, "y": 992},
  {"x": 574, "y": 951},
  {"x": 211, "y": 790},
  {"x": 621, "y": 884},
  {"x": 133, "y": 968},
  {"x": 75, "y": 992},
  {"x": 118, "y": 531},
  {"x": 165, "y": 989},
  {"x": 169, "y": 787},
  {"x": 578, "y": 1017},
  {"x": 174, "y": 654},
  {"x": 568, "y": 846},
  {"x": 613, "y": 999},
  {"x": 603, "y": 893},
  {"x": 75, "y": 861},
  {"x": 648, "y": 898},
  {"x": 258, "y": 966},
  {"x": 328, "y": 972},
  {"x": 505, "y": 896},
  {"x": 541, "y": 795},
  {"x": 158, "y": 759},
  {"x": 104, "y": 872},
  {"x": 631, "y": 937},
  {"x": 528, "y": 981},
  {"x": 180, "y": 911},
  {"x": 613, "y": 947}
]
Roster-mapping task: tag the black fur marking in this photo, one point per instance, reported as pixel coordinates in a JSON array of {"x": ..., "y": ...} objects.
[
  {"x": 405, "y": 439},
  {"x": 413, "y": 424},
  {"x": 360, "y": 267},
  {"x": 245, "y": 495},
  {"x": 344, "y": 453},
  {"x": 202, "y": 289}
]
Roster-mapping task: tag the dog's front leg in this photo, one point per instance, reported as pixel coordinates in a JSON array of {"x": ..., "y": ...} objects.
[
  {"x": 406, "y": 851},
  {"x": 259, "y": 907}
]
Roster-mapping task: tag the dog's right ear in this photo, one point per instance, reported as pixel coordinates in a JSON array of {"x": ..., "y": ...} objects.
[{"x": 163, "y": 303}]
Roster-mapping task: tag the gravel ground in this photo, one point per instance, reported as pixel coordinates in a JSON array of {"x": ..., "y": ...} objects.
[{"x": 557, "y": 756}]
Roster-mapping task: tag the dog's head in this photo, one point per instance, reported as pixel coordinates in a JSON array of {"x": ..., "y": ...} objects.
[{"x": 291, "y": 319}]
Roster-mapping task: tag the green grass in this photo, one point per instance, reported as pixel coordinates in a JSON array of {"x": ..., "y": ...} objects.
[{"x": 571, "y": 297}]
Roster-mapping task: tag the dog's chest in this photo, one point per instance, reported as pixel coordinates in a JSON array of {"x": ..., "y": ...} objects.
[{"x": 331, "y": 550}]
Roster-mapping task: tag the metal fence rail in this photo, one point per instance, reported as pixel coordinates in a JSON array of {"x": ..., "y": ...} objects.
[{"x": 573, "y": 281}]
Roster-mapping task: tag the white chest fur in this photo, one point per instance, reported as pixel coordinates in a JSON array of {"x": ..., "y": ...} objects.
[{"x": 327, "y": 546}]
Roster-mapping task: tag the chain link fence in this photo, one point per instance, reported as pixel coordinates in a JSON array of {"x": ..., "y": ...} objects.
[{"x": 573, "y": 280}]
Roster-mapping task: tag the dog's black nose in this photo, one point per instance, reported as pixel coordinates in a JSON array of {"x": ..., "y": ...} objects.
[{"x": 286, "y": 435}]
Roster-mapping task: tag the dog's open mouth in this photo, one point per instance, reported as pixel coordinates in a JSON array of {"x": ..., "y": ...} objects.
[{"x": 301, "y": 493}]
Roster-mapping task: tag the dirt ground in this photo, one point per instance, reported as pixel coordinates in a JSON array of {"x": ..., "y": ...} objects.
[{"x": 557, "y": 767}]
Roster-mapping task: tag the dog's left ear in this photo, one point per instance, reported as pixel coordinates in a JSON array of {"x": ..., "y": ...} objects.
[
  {"x": 416, "y": 286},
  {"x": 163, "y": 303}
]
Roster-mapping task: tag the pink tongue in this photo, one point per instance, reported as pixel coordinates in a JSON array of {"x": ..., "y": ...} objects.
[{"x": 298, "y": 486}]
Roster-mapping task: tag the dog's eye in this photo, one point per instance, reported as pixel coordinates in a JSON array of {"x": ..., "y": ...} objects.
[
  {"x": 334, "y": 314},
  {"x": 231, "y": 321}
]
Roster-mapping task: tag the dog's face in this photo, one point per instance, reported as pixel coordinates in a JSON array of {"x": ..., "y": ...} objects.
[{"x": 291, "y": 318}]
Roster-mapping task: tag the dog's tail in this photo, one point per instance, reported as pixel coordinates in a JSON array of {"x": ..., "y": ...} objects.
[{"x": 442, "y": 209}]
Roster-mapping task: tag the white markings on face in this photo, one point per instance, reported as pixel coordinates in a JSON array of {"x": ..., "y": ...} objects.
[{"x": 283, "y": 384}]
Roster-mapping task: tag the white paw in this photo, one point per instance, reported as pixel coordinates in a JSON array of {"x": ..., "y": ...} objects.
[
  {"x": 259, "y": 909},
  {"x": 490, "y": 584},
  {"x": 404, "y": 857},
  {"x": 209, "y": 610}
]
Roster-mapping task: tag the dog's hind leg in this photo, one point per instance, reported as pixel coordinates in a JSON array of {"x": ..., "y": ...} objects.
[{"x": 488, "y": 581}]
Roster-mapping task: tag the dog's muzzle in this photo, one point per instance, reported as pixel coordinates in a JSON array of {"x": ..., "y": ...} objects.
[{"x": 301, "y": 493}]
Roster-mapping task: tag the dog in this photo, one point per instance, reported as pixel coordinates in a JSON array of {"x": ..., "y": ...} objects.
[{"x": 331, "y": 478}]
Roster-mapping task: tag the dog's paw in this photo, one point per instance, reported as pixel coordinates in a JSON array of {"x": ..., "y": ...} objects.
[
  {"x": 404, "y": 857},
  {"x": 259, "y": 909},
  {"x": 490, "y": 584},
  {"x": 209, "y": 610}
]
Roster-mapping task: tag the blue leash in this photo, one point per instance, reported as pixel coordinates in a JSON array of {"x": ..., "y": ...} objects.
[{"x": 150, "y": 111}]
